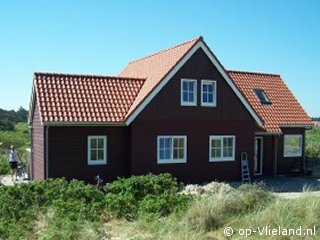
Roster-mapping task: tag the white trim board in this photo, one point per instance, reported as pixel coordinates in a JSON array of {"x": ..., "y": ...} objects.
[{"x": 177, "y": 67}]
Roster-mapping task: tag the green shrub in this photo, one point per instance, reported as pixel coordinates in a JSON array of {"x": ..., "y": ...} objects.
[
  {"x": 73, "y": 203},
  {"x": 147, "y": 195},
  {"x": 313, "y": 143},
  {"x": 4, "y": 166}
]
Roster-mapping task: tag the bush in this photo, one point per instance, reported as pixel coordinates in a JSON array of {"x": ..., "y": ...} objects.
[
  {"x": 313, "y": 143},
  {"x": 73, "y": 204},
  {"x": 4, "y": 166},
  {"x": 146, "y": 196}
]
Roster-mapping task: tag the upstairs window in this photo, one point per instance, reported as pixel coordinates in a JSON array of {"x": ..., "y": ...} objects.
[
  {"x": 208, "y": 93},
  {"x": 262, "y": 96},
  {"x": 172, "y": 149},
  {"x": 188, "y": 92},
  {"x": 292, "y": 145},
  {"x": 97, "y": 150}
]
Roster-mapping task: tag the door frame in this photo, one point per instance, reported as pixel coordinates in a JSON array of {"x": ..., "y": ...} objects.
[{"x": 261, "y": 155}]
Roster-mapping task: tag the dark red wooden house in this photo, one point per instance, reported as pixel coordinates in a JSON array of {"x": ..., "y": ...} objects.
[{"x": 178, "y": 111}]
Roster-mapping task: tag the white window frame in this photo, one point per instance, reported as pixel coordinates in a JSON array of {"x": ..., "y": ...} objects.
[
  {"x": 187, "y": 103},
  {"x": 209, "y": 82},
  {"x": 221, "y": 158},
  {"x": 97, "y": 162},
  {"x": 171, "y": 159},
  {"x": 284, "y": 145}
]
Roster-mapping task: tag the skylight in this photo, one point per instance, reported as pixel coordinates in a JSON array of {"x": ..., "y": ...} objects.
[{"x": 261, "y": 94}]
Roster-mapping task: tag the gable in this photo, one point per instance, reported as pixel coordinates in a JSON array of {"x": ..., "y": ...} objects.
[
  {"x": 144, "y": 97},
  {"x": 167, "y": 103}
]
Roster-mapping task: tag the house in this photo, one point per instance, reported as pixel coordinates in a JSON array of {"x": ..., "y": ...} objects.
[{"x": 178, "y": 111}]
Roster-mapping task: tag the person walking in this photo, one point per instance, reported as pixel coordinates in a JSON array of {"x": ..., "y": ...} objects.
[{"x": 13, "y": 161}]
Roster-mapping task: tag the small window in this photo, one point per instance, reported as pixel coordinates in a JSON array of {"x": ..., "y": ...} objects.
[
  {"x": 292, "y": 145},
  {"x": 172, "y": 149},
  {"x": 221, "y": 148},
  {"x": 208, "y": 93},
  {"x": 261, "y": 94},
  {"x": 188, "y": 92},
  {"x": 97, "y": 150}
]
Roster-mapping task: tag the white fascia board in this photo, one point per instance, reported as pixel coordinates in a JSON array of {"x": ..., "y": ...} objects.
[{"x": 177, "y": 67}]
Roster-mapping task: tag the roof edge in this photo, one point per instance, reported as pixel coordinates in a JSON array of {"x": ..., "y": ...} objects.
[
  {"x": 86, "y": 75},
  {"x": 196, "y": 39},
  {"x": 253, "y": 73}
]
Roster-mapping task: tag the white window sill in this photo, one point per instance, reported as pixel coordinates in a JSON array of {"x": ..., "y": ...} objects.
[
  {"x": 93, "y": 163},
  {"x": 171, "y": 161},
  {"x": 222, "y": 160},
  {"x": 208, "y": 105},
  {"x": 188, "y": 104}
]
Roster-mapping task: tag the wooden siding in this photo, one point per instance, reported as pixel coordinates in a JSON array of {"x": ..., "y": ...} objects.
[
  {"x": 37, "y": 154},
  {"x": 68, "y": 153},
  {"x": 165, "y": 116}
]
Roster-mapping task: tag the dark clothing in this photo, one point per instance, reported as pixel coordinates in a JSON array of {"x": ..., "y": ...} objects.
[{"x": 13, "y": 165}]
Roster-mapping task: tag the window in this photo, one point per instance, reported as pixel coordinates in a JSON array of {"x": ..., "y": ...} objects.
[
  {"x": 261, "y": 94},
  {"x": 188, "y": 92},
  {"x": 292, "y": 146},
  {"x": 221, "y": 148},
  {"x": 172, "y": 149},
  {"x": 208, "y": 93},
  {"x": 97, "y": 150}
]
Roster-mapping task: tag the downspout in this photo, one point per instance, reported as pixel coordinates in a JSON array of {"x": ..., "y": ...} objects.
[
  {"x": 275, "y": 155},
  {"x": 47, "y": 153}
]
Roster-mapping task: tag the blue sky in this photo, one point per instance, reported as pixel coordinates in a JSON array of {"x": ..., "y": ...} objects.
[{"x": 101, "y": 37}]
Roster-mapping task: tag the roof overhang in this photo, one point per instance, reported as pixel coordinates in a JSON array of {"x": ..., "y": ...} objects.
[
  {"x": 268, "y": 133},
  {"x": 88, "y": 124},
  {"x": 199, "y": 45},
  {"x": 297, "y": 126}
]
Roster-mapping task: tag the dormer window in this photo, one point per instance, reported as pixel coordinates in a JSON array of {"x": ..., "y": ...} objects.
[
  {"x": 188, "y": 92},
  {"x": 262, "y": 96}
]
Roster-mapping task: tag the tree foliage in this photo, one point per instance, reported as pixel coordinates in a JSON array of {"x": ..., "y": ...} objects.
[{"x": 8, "y": 118}]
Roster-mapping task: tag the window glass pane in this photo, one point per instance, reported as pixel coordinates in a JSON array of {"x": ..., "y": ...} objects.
[
  {"x": 292, "y": 145},
  {"x": 181, "y": 153},
  {"x": 93, "y": 155},
  {"x": 191, "y": 84},
  {"x": 161, "y": 143},
  {"x": 210, "y": 88},
  {"x": 175, "y": 142},
  {"x": 210, "y": 98},
  {"x": 93, "y": 143},
  {"x": 191, "y": 97},
  {"x": 181, "y": 142},
  {"x": 100, "y": 143},
  {"x": 216, "y": 143},
  {"x": 185, "y": 96},
  {"x": 185, "y": 86},
  {"x": 175, "y": 154},
  {"x": 100, "y": 155},
  {"x": 167, "y": 153},
  {"x": 205, "y": 87},
  {"x": 161, "y": 153}
]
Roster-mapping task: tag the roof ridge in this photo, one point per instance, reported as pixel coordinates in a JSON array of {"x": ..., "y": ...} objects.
[
  {"x": 196, "y": 39},
  {"x": 87, "y": 75},
  {"x": 252, "y": 72}
]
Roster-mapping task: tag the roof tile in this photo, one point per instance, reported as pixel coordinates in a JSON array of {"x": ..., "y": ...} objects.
[
  {"x": 284, "y": 108},
  {"x": 78, "y": 98}
]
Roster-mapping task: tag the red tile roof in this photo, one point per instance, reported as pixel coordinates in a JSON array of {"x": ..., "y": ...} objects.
[
  {"x": 284, "y": 108},
  {"x": 155, "y": 67},
  {"x": 84, "y": 98}
]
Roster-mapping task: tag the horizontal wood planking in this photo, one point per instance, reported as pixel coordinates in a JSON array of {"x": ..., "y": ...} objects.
[{"x": 68, "y": 153}]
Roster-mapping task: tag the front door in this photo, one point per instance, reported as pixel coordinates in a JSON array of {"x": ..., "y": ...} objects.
[{"x": 258, "y": 155}]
